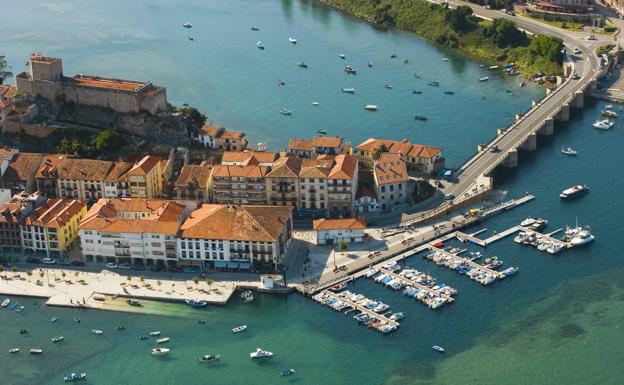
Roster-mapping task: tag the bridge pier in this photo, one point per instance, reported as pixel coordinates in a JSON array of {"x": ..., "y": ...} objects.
[
  {"x": 511, "y": 161},
  {"x": 530, "y": 144},
  {"x": 548, "y": 128},
  {"x": 534, "y": 103},
  {"x": 579, "y": 99},
  {"x": 564, "y": 113},
  {"x": 593, "y": 85}
]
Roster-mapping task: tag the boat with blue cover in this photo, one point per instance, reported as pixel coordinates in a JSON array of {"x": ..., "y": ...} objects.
[
  {"x": 288, "y": 372},
  {"x": 74, "y": 377}
]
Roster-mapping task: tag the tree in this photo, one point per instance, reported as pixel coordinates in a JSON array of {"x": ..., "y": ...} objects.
[
  {"x": 195, "y": 280},
  {"x": 14, "y": 269},
  {"x": 196, "y": 118},
  {"x": 41, "y": 273},
  {"x": 108, "y": 140},
  {"x": 142, "y": 278},
  {"x": 379, "y": 150},
  {"x": 459, "y": 18},
  {"x": 4, "y": 69},
  {"x": 504, "y": 33},
  {"x": 342, "y": 245},
  {"x": 29, "y": 273},
  {"x": 63, "y": 274},
  {"x": 209, "y": 282},
  {"x": 1, "y": 268},
  {"x": 547, "y": 47},
  {"x": 129, "y": 278},
  {"x": 383, "y": 15}
]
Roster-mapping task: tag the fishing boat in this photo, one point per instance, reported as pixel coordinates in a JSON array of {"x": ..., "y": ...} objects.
[
  {"x": 609, "y": 113},
  {"x": 288, "y": 372},
  {"x": 285, "y": 112},
  {"x": 201, "y": 321},
  {"x": 196, "y": 302},
  {"x": 255, "y": 29},
  {"x": 350, "y": 70},
  {"x": 569, "y": 151},
  {"x": 438, "y": 348},
  {"x": 20, "y": 308},
  {"x": 57, "y": 339},
  {"x": 338, "y": 287},
  {"x": 187, "y": 25},
  {"x": 316, "y": 104},
  {"x": 209, "y": 358},
  {"x": 155, "y": 334},
  {"x": 342, "y": 56},
  {"x": 6, "y": 302},
  {"x": 302, "y": 64},
  {"x": 53, "y": 319},
  {"x": 134, "y": 302},
  {"x": 348, "y": 90},
  {"x": 387, "y": 86},
  {"x": 508, "y": 91},
  {"x": 36, "y": 351},
  {"x": 97, "y": 332},
  {"x": 259, "y": 353},
  {"x": 370, "y": 107},
  {"x": 74, "y": 377},
  {"x": 322, "y": 132},
  {"x": 292, "y": 40},
  {"x": 421, "y": 118},
  {"x": 14, "y": 350},
  {"x": 603, "y": 124},
  {"x": 260, "y": 45},
  {"x": 163, "y": 340},
  {"x": 239, "y": 329},
  {"x": 484, "y": 79},
  {"x": 574, "y": 191},
  {"x": 159, "y": 351}
]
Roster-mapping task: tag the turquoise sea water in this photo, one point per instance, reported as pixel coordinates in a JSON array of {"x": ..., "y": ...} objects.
[{"x": 558, "y": 321}]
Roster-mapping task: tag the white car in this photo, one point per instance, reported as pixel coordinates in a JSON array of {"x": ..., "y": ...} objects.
[
  {"x": 504, "y": 10},
  {"x": 48, "y": 261},
  {"x": 577, "y": 51},
  {"x": 487, "y": 6},
  {"x": 111, "y": 265}
]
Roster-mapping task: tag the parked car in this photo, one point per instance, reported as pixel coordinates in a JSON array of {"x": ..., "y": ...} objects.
[
  {"x": 33, "y": 260},
  {"x": 504, "y": 10},
  {"x": 449, "y": 197},
  {"x": 591, "y": 37},
  {"x": 124, "y": 266},
  {"x": 111, "y": 265},
  {"x": 48, "y": 261},
  {"x": 494, "y": 149},
  {"x": 63, "y": 263},
  {"x": 77, "y": 263},
  {"x": 511, "y": 13},
  {"x": 576, "y": 76},
  {"x": 577, "y": 51},
  {"x": 487, "y": 6}
]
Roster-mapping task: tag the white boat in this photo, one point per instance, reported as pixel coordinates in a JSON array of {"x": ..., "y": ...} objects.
[
  {"x": 445, "y": 59},
  {"x": 239, "y": 329},
  {"x": 187, "y": 25},
  {"x": 53, "y": 319},
  {"x": 14, "y": 350},
  {"x": 609, "y": 113},
  {"x": 154, "y": 334},
  {"x": 397, "y": 316},
  {"x": 97, "y": 332},
  {"x": 370, "y": 107},
  {"x": 438, "y": 348},
  {"x": 159, "y": 351},
  {"x": 484, "y": 79},
  {"x": 316, "y": 104},
  {"x": 348, "y": 90},
  {"x": 292, "y": 40},
  {"x": 209, "y": 358},
  {"x": 259, "y": 353},
  {"x": 370, "y": 273},
  {"x": 582, "y": 237},
  {"x": 36, "y": 351},
  {"x": 528, "y": 221},
  {"x": 163, "y": 340},
  {"x": 6, "y": 302},
  {"x": 554, "y": 248},
  {"x": 57, "y": 339},
  {"x": 74, "y": 377},
  {"x": 574, "y": 191},
  {"x": 604, "y": 124},
  {"x": 521, "y": 83},
  {"x": 260, "y": 45},
  {"x": 285, "y": 112},
  {"x": 20, "y": 308},
  {"x": 342, "y": 56},
  {"x": 569, "y": 151},
  {"x": 609, "y": 106}
]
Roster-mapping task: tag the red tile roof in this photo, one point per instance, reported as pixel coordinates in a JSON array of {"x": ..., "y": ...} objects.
[{"x": 338, "y": 224}]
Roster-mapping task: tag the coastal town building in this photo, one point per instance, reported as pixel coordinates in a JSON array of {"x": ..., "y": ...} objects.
[
  {"x": 12, "y": 216},
  {"x": 249, "y": 157},
  {"x": 366, "y": 201},
  {"x": 390, "y": 175},
  {"x": 47, "y": 174},
  {"x": 238, "y": 185},
  {"x": 46, "y": 79},
  {"x": 319, "y": 145},
  {"x": 52, "y": 227},
  {"x": 132, "y": 231},
  {"x": 19, "y": 169},
  {"x": 282, "y": 182},
  {"x": 146, "y": 178},
  {"x": 7, "y": 92},
  {"x": 116, "y": 185},
  {"x": 332, "y": 231},
  {"x": 192, "y": 183},
  {"x": 235, "y": 237},
  {"x": 218, "y": 138},
  {"x": 79, "y": 178},
  {"x": 419, "y": 159},
  {"x": 564, "y": 6}
]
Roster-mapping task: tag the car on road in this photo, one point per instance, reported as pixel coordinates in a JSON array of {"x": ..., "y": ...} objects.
[
  {"x": 449, "y": 197},
  {"x": 124, "y": 266},
  {"x": 592, "y": 37},
  {"x": 487, "y": 6},
  {"x": 511, "y": 13},
  {"x": 504, "y": 10},
  {"x": 577, "y": 51},
  {"x": 111, "y": 265},
  {"x": 494, "y": 149},
  {"x": 576, "y": 76},
  {"x": 48, "y": 261},
  {"x": 33, "y": 260}
]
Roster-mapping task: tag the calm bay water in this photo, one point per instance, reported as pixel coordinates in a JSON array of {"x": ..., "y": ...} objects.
[{"x": 559, "y": 320}]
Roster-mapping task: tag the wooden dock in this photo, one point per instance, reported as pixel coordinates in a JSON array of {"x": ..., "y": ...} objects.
[
  {"x": 361, "y": 308},
  {"x": 420, "y": 287},
  {"x": 495, "y": 273},
  {"x": 506, "y": 233}
]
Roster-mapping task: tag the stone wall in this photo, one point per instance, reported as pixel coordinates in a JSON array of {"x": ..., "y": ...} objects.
[{"x": 36, "y": 130}]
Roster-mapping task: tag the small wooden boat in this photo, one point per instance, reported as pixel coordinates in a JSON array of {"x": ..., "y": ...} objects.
[
  {"x": 57, "y": 339},
  {"x": 36, "y": 351},
  {"x": 417, "y": 92},
  {"x": 239, "y": 329},
  {"x": 163, "y": 340},
  {"x": 322, "y": 132}
]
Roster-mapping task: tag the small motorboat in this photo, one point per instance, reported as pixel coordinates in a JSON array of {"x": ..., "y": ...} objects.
[
  {"x": 342, "y": 56},
  {"x": 405, "y": 61},
  {"x": 187, "y": 25},
  {"x": 259, "y": 353},
  {"x": 23, "y": 331},
  {"x": 574, "y": 191},
  {"x": 421, "y": 118},
  {"x": 209, "y": 358},
  {"x": 163, "y": 340},
  {"x": 121, "y": 327},
  {"x": 350, "y": 70},
  {"x": 14, "y": 350},
  {"x": 20, "y": 308},
  {"x": 387, "y": 86},
  {"x": 316, "y": 104},
  {"x": 143, "y": 338},
  {"x": 509, "y": 91},
  {"x": 97, "y": 332},
  {"x": 397, "y": 316},
  {"x": 239, "y": 329},
  {"x": 36, "y": 351},
  {"x": 604, "y": 124},
  {"x": 57, "y": 339},
  {"x": 322, "y": 132},
  {"x": 288, "y": 372},
  {"x": 370, "y": 107},
  {"x": 445, "y": 59},
  {"x": 13, "y": 306},
  {"x": 155, "y": 334},
  {"x": 417, "y": 92},
  {"x": 609, "y": 107},
  {"x": 53, "y": 319},
  {"x": 609, "y": 113},
  {"x": 280, "y": 82},
  {"x": 438, "y": 348},
  {"x": 159, "y": 351},
  {"x": 370, "y": 65},
  {"x": 393, "y": 56},
  {"x": 75, "y": 377},
  {"x": 191, "y": 38},
  {"x": 348, "y": 90},
  {"x": 484, "y": 79},
  {"x": 76, "y": 320},
  {"x": 569, "y": 151},
  {"x": 510, "y": 271},
  {"x": 201, "y": 321},
  {"x": 521, "y": 84},
  {"x": 285, "y": 112},
  {"x": 134, "y": 302},
  {"x": 196, "y": 302},
  {"x": 260, "y": 45},
  {"x": 449, "y": 92},
  {"x": 292, "y": 40},
  {"x": 255, "y": 29},
  {"x": 433, "y": 84},
  {"x": 6, "y": 302},
  {"x": 302, "y": 64},
  {"x": 338, "y": 287}
]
